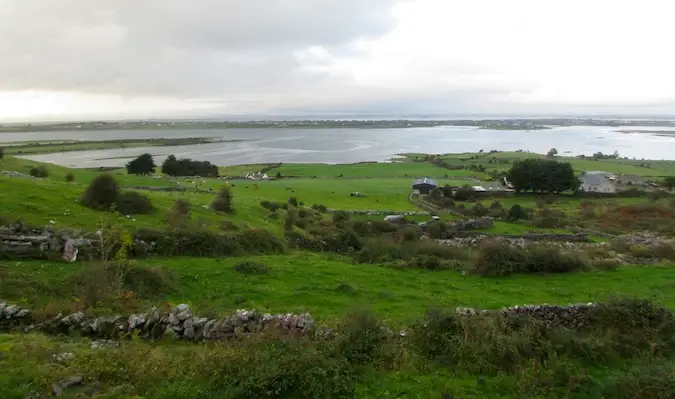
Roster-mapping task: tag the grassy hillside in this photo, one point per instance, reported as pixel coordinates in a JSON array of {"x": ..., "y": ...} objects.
[
  {"x": 632, "y": 357},
  {"x": 328, "y": 286}
]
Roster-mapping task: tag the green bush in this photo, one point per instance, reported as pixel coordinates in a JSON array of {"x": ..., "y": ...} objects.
[
  {"x": 39, "y": 171},
  {"x": 517, "y": 212},
  {"x": 665, "y": 251},
  {"x": 102, "y": 193},
  {"x": 203, "y": 243},
  {"x": 250, "y": 267},
  {"x": 432, "y": 262},
  {"x": 362, "y": 338},
  {"x": 2, "y": 152},
  {"x": 270, "y": 205},
  {"x": 223, "y": 201},
  {"x": 652, "y": 380},
  {"x": 340, "y": 217},
  {"x": 479, "y": 210},
  {"x": 320, "y": 208},
  {"x": 293, "y": 201},
  {"x": 502, "y": 259},
  {"x": 70, "y": 178},
  {"x": 641, "y": 251},
  {"x": 134, "y": 203}
]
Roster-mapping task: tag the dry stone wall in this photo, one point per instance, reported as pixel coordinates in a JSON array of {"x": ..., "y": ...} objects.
[{"x": 180, "y": 323}]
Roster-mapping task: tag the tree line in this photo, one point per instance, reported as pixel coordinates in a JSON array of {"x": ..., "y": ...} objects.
[{"x": 144, "y": 164}]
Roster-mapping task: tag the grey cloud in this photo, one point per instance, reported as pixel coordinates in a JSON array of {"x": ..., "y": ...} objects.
[{"x": 178, "y": 48}]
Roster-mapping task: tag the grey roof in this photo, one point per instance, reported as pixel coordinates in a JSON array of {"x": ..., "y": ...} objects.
[
  {"x": 625, "y": 177},
  {"x": 425, "y": 180},
  {"x": 594, "y": 180}
]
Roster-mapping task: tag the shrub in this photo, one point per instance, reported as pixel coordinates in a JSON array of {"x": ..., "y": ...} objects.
[
  {"x": 653, "y": 380},
  {"x": 435, "y": 230},
  {"x": 289, "y": 220},
  {"x": 102, "y": 193},
  {"x": 340, "y": 217},
  {"x": 150, "y": 281},
  {"x": 479, "y": 210},
  {"x": 70, "y": 178},
  {"x": 502, "y": 259},
  {"x": 2, "y": 152},
  {"x": 39, "y": 171},
  {"x": 270, "y": 205},
  {"x": 228, "y": 225},
  {"x": 517, "y": 212},
  {"x": 409, "y": 233},
  {"x": 320, "y": 208},
  {"x": 250, "y": 267},
  {"x": 432, "y": 262},
  {"x": 362, "y": 228},
  {"x": 304, "y": 213},
  {"x": 134, "y": 203},
  {"x": 223, "y": 201},
  {"x": 202, "y": 243},
  {"x": 346, "y": 288},
  {"x": 293, "y": 201},
  {"x": 549, "y": 218},
  {"x": 665, "y": 251},
  {"x": 641, "y": 251},
  {"x": 362, "y": 337}
]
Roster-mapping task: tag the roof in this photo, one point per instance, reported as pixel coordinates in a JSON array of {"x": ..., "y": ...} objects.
[
  {"x": 625, "y": 177},
  {"x": 425, "y": 180},
  {"x": 594, "y": 180}
]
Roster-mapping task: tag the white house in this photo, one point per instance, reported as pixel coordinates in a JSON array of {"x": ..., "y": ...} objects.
[
  {"x": 257, "y": 176},
  {"x": 597, "y": 183}
]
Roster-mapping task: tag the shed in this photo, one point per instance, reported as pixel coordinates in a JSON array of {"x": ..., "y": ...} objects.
[{"x": 424, "y": 185}]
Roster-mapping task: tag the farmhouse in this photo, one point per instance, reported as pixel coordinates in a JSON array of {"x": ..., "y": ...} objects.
[
  {"x": 424, "y": 185},
  {"x": 597, "y": 183}
]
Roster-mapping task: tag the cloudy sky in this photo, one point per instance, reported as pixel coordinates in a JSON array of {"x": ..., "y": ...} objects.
[{"x": 77, "y": 59}]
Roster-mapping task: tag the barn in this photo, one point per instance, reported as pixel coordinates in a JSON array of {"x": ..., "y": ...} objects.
[{"x": 424, "y": 185}]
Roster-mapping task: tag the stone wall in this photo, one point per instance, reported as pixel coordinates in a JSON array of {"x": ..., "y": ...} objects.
[
  {"x": 471, "y": 239},
  {"x": 574, "y": 316},
  {"x": 17, "y": 241},
  {"x": 380, "y": 213},
  {"x": 180, "y": 323}
]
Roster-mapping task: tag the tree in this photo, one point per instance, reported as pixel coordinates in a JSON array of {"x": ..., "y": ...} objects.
[
  {"x": 278, "y": 175},
  {"x": 2, "y": 152},
  {"x": 542, "y": 176},
  {"x": 669, "y": 182},
  {"x": 143, "y": 165},
  {"x": 552, "y": 152},
  {"x": 187, "y": 167}
]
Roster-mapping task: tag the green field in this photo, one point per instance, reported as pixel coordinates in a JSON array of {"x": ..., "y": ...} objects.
[
  {"x": 371, "y": 170},
  {"x": 305, "y": 282},
  {"x": 327, "y": 285},
  {"x": 503, "y": 161}
]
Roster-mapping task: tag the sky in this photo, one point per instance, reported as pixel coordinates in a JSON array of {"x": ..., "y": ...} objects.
[{"x": 84, "y": 59}]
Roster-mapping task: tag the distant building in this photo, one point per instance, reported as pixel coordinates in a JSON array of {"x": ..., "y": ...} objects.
[
  {"x": 631, "y": 180},
  {"x": 597, "y": 183},
  {"x": 424, "y": 185},
  {"x": 257, "y": 176}
]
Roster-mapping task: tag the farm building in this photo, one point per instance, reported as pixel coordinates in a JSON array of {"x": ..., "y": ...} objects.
[
  {"x": 597, "y": 183},
  {"x": 424, "y": 185}
]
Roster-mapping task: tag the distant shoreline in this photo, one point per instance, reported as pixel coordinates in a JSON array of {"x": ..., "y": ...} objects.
[
  {"x": 57, "y": 146},
  {"x": 492, "y": 124}
]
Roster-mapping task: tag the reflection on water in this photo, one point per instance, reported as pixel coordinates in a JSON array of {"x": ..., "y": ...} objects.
[{"x": 353, "y": 145}]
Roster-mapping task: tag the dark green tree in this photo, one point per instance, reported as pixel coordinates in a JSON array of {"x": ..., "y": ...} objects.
[
  {"x": 142, "y": 165},
  {"x": 542, "y": 176},
  {"x": 669, "y": 182}
]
